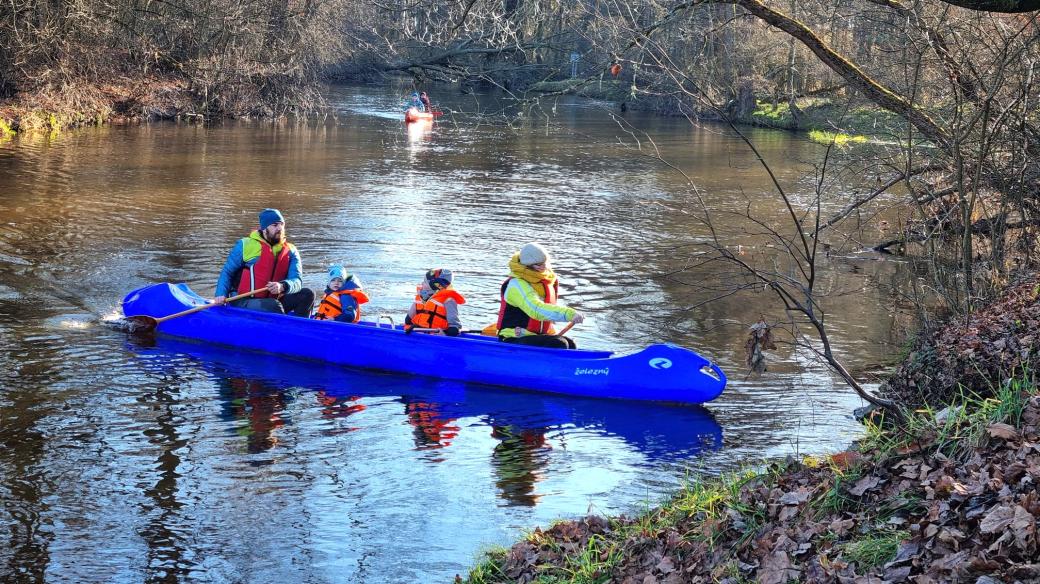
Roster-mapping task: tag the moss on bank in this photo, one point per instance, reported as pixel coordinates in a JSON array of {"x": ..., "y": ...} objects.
[
  {"x": 829, "y": 121},
  {"x": 18, "y": 120},
  {"x": 826, "y": 120},
  {"x": 947, "y": 496}
]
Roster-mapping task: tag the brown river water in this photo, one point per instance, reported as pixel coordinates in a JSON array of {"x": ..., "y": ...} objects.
[{"x": 124, "y": 461}]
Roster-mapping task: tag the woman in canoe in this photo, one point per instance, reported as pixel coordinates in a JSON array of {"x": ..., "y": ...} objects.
[{"x": 528, "y": 302}]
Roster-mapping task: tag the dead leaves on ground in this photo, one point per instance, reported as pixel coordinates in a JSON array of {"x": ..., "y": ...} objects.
[
  {"x": 972, "y": 520},
  {"x": 991, "y": 343}
]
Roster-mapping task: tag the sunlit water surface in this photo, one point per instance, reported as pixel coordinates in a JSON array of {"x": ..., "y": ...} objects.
[{"x": 127, "y": 462}]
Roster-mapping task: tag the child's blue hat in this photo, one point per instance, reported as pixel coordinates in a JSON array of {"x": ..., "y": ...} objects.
[{"x": 338, "y": 272}]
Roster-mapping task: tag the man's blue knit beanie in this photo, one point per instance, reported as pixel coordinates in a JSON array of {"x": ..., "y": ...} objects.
[{"x": 269, "y": 216}]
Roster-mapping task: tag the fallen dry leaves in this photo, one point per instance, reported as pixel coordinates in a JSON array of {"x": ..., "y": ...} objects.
[
  {"x": 993, "y": 342},
  {"x": 968, "y": 520}
]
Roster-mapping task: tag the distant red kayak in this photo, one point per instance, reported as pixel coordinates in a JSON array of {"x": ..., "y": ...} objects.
[{"x": 414, "y": 115}]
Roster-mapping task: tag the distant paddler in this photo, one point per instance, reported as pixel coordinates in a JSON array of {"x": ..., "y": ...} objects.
[
  {"x": 528, "y": 306},
  {"x": 265, "y": 259},
  {"x": 416, "y": 102}
]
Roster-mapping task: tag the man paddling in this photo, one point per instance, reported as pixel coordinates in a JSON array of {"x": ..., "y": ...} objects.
[{"x": 265, "y": 259}]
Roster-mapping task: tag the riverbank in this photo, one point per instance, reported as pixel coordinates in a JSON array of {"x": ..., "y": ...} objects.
[
  {"x": 126, "y": 100},
  {"x": 947, "y": 495},
  {"x": 949, "y": 499},
  {"x": 152, "y": 98},
  {"x": 824, "y": 119},
  {"x": 118, "y": 100}
]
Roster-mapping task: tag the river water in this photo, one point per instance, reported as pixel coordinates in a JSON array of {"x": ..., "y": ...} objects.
[{"x": 129, "y": 461}]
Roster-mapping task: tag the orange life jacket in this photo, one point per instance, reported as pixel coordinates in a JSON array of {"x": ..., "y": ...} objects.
[
  {"x": 510, "y": 316},
  {"x": 267, "y": 268},
  {"x": 331, "y": 304},
  {"x": 431, "y": 313}
]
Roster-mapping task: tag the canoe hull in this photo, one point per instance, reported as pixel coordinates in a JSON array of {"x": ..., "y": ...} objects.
[
  {"x": 414, "y": 115},
  {"x": 657, "y": 373}
]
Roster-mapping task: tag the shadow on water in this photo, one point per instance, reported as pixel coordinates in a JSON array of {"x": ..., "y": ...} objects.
[{"x": 254, "y": 389}]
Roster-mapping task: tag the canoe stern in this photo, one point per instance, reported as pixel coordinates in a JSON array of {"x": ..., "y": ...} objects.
[{"x": 159, "y": 300}]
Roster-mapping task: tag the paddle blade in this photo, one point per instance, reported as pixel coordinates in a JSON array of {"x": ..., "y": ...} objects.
[
  {"x": 140, "y": 324},
  {"x": 490, "y": 330}
]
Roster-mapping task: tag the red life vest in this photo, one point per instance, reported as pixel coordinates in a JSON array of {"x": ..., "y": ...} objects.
[
  {"x": 431, "y": 313},
  {"x": 510, "y": 316},
  {"x": 331, "y": 304},
  {"x": 267, "y": 267}
]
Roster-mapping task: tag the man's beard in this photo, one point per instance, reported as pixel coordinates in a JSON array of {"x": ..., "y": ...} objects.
[{"x": 279, "y": 238}]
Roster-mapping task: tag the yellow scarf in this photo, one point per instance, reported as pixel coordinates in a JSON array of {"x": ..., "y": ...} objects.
[{"x": 535, "y": 278}]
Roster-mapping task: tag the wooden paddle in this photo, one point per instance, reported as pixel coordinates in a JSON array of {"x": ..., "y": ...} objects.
[
  {"x": 566, "y": 328},
  {"x": 144, "y": 323}
]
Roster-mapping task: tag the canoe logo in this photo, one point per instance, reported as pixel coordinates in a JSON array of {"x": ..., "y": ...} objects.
[
  {"x": 660, "y": 363},
  {"x": 590, "y": 371}
]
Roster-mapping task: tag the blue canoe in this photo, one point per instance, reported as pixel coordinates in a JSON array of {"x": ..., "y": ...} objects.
[{"x": 657, "y": 373}]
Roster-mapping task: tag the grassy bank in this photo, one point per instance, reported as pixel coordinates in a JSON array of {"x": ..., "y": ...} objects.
[
  {"x": 947, "y": 496},
  {"x": 826, "y": 119}
]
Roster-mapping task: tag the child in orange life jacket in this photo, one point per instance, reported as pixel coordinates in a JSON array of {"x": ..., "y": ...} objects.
[
  {"x": 343, "y": 297},
  {"x": 436, "y": 304}
]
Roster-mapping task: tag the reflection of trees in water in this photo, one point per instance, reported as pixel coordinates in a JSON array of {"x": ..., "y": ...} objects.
[
  {"x": 260, "y": 407},
  {"x": 519, "y": 461},
  {"x": 165, "y": 548},
  {"x": 430, "y": 428},
  {"x": 22, "y": 480}
]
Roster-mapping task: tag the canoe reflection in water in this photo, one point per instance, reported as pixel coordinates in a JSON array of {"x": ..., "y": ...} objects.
[
  {"x": 260, "y": 409},
  {"x": 257, "y": 389}
]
